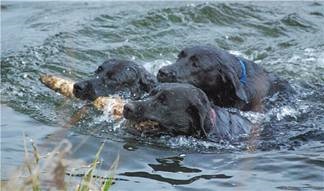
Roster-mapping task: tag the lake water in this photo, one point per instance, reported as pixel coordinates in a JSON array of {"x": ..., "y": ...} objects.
[{"x": 71, "y": 39}]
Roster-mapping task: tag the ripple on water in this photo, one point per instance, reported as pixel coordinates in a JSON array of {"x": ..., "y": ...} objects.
[{"x": 275, "y": 38}]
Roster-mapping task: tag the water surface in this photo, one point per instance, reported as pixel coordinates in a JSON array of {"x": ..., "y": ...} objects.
[{"x": 71, "y": 39}]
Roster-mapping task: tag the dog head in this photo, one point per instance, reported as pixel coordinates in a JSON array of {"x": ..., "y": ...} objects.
[{"x": 116, "y": 77}]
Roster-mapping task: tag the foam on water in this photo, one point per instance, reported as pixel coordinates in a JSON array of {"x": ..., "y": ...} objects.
[
  {"x": 70, "y": 39},
  {"x": 153, "y": 35},
  {"x": 155, "y": 65}
]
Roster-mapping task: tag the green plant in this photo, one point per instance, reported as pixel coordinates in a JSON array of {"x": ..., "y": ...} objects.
[{"x": 57, "y": 173}]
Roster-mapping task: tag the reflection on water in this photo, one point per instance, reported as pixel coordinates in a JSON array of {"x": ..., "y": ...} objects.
[
  {"x": 71, "y": 39},
  {"x": 149, "y": 168}
]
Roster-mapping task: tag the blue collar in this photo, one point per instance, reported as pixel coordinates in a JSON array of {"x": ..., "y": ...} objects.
[{"x": 243, "y": 74}]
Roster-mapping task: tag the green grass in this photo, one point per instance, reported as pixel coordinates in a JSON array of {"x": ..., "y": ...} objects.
[{"x": 35, "y": 174}]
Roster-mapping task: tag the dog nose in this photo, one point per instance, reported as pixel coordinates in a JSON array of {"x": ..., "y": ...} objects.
[
  {"x": 79, "y": 88},
  {"x": 165, "y": 75},
  {"x": 129, "y": 110}
]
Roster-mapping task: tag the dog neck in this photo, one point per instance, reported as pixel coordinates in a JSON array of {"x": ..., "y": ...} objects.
[{"x": 225, "y": 125}]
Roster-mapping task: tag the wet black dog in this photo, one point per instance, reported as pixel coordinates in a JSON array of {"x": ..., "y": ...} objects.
[
  {"x": 182, "y": 109},
  {"x": 228, "y": 80},
  {"x": 114, "y": 76}
]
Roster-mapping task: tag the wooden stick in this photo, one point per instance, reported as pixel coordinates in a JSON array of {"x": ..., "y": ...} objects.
[
  {"x": 113, "y": 104},
  {"x": 60, "y": 85}
]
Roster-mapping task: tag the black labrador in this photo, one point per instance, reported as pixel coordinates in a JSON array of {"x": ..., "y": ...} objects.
[
  {"x": 183, "y": 109},
  {"x": 115, "y": 76},
  {"x": 228, "y": 80}
]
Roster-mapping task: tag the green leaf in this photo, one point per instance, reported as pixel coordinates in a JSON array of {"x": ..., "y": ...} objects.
[{"x": 86, "y": 181}]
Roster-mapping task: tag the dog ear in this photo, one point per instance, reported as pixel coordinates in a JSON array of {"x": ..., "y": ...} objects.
[
  {"x": 147, "y": 81},
  {"x": 231, "y": 76},
  {"x": 197, "y": 120},
  {"x": 198, "y": 110}
]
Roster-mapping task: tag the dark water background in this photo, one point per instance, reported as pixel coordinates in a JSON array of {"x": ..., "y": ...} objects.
[{"x": 71, "y": 39}]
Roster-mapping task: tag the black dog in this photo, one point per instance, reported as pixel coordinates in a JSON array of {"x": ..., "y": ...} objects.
[
  {"x": 122, "y": 77},
  {"x": 182, "y": 109},
  {"x": 229, "y": 81}
]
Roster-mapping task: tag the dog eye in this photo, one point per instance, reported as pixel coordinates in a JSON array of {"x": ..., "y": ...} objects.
[
  {"x": 109, "y": 75},
  {"x": 182, "y": 54},
  {"x": 99, "y": 69},
  {"x": 194, "y": 61},
  {"x": 153, "y": 92},
  {"x": 162, "y": 99}
]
